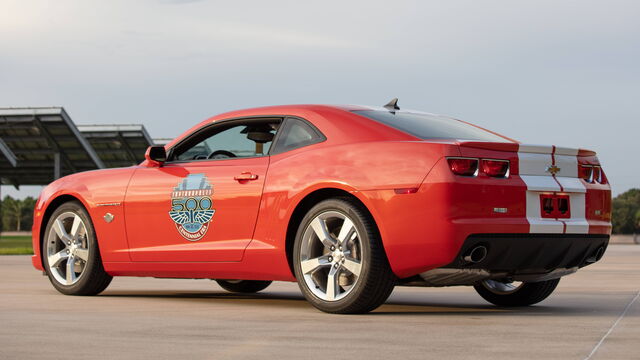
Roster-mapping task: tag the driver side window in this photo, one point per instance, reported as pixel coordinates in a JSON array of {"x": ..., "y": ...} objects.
[{"x": 239, "y": 139}]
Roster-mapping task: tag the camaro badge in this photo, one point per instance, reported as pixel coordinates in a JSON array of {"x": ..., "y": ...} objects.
[{"x": 191, "y": 206}]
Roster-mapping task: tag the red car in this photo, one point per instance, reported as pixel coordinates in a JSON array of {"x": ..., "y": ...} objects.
[{"x": 348, "y": 201}]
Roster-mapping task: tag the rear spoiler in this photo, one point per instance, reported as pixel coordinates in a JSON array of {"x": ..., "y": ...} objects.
[{"x": 526, "y": 148}]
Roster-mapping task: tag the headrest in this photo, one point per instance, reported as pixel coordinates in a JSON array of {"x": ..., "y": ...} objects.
[
  {"x": 260, "y": 133},
  {"x": 260, "y": 137}
]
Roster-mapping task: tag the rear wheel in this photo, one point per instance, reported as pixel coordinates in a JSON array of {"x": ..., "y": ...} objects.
[
  {"x": 515, "y": 293},
  {"x": 70, "y": 252},
  {"x": 339, "y": 260},
  {"x": 243, "y": 286}
]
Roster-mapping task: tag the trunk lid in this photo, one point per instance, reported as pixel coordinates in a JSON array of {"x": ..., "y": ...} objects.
[{"x": 538, "y": 160}]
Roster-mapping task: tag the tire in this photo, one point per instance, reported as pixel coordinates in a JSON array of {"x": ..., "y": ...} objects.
[
  {"x": 75, "y": 239},
  {"x": 346, "y": 270},
  {"x": 243, "y": 286},
  {"x": 524, "y": 295}
]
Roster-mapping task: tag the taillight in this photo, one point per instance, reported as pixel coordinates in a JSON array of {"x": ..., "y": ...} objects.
[
  {"x": 592, "y": 174},
  {"x": 471, "y": 167},
  {"x": 597, "y": 174},
  {"x": 586, "y": 172},
  {"x": 603, "y": 177},
  {"x": 495, "y": 168},
  {"x": 463, "y": 166}
]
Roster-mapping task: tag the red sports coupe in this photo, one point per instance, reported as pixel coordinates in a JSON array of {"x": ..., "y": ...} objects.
[{"x": 349, "y": 201}]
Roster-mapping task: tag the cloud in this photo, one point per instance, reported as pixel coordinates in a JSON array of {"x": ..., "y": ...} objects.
[{"x": 546, "y": 71}]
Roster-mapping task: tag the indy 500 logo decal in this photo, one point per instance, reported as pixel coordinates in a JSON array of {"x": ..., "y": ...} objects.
[{"x": 191, "y": 206}]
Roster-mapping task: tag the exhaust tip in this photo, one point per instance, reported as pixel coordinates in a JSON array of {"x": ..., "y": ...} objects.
[
  {"x": 597, "y": 255},
  {"x": 476, "y": 255}
]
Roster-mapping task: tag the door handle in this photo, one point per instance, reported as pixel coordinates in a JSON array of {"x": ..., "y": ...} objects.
[{"x": 245, "y": 176}]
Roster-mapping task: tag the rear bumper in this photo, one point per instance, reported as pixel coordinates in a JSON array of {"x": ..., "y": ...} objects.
[
  {"x": 428, "y": 229},
  {"x": 515, "y": 257},
  {"x": 531, "y": 253}
]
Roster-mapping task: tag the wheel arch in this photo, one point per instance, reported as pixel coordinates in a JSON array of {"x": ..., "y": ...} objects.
[
  {"x": 309, "y": 201},
  {"x": 51, "y": 207}
]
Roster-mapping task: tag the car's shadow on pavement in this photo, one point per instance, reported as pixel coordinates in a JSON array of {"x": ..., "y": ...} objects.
[
  {"x": 279, "y": 299},
  {"x": 431, "y": 308},
  {"x": 391, "y": 307}
]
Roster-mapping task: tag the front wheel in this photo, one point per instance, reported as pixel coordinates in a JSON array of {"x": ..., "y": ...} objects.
[
  {"x": 339, "y": 261},
  {"x": 515, "y": 293},
  {"x": 70, "y": 252}
]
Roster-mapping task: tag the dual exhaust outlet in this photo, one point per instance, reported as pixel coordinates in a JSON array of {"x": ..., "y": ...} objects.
[
  {"x": 478, "y": 253},
  {"x": 596, "y": 255}
]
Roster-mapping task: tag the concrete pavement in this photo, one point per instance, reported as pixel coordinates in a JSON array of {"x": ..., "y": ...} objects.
[{"x": 196, "y": 319}]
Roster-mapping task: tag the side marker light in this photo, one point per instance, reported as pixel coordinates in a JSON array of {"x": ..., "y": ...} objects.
[{"x": 404, "y": 191}]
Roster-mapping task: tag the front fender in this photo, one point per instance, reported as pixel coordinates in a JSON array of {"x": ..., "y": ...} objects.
[{"x": 100, "y": 192}]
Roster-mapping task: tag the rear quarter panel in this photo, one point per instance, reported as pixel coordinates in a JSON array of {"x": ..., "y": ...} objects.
[
  {"x": 369, "y": 171},
  {"x": 368, "y": 160}
]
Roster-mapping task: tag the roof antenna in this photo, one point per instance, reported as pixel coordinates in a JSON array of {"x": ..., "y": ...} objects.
[{"x": 392, "y": 105}]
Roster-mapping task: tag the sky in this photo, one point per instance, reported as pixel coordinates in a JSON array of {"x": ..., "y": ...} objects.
[{"x": 542, "y": 72}]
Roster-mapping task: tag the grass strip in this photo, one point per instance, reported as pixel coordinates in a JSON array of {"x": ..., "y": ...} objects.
[{"x": 15, "y": 245}]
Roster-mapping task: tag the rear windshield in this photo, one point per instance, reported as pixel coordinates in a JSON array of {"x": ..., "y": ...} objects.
[{"x": 425, "y": 126}]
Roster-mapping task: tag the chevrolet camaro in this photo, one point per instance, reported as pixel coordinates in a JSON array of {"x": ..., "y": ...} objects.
[{"x": 349, "y": 201}]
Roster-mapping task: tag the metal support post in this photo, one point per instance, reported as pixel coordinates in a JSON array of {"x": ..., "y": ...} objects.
[
  {"x": 1, "y": 212},
  {"x": 56, "y": 166}
]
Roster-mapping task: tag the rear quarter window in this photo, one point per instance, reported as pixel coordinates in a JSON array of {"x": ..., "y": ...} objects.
[{"x": 296, "y": 134}]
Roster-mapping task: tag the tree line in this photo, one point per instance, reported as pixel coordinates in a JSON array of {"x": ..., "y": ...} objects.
[
  {"x": 625, "y": 215},
  {"x": 17, "y": 215}
]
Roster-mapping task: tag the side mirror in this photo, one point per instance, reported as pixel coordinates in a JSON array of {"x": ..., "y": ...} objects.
[{"x": 156, "y": 155}]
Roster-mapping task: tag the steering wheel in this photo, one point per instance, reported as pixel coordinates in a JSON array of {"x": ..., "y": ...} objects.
[{"x": 221, "y": 154}]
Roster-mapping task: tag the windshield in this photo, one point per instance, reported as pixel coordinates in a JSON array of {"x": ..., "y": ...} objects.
[{"x": 427, "y": 126}]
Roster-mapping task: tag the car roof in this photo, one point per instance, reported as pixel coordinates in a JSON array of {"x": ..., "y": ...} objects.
[
  {"x": 301, "y": 110},
  {"x": 277, "y": 110},
  {"x": 284, "y": 110}
]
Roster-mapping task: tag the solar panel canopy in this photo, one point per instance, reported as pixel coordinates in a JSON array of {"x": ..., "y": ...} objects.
[
  {"x": 162, "y": 141},
  {"x": 118, "y": 145},
  {"x": 38, "y": 145}
]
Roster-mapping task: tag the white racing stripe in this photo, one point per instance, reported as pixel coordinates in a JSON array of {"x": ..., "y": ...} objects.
[
  {"x": 566, "y": 151},
  {"x": 571, "y": 185},
  {"x": 533, "y": 161},
  {"x": 578, "y": 223},
  {"x": 534, "y": 164}
]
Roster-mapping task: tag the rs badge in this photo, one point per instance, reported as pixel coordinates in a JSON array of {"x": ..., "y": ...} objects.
[{"x": 191, "y": 206}]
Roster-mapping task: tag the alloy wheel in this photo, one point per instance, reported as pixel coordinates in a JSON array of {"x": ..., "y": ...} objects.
[
  {"x": 331, "y": 256},
  {"x": 67, "y": 248},
  {"x": 502, "y": 288}
]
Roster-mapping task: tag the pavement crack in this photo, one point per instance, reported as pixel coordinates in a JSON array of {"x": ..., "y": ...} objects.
[{"x": 624, "y": 312}]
